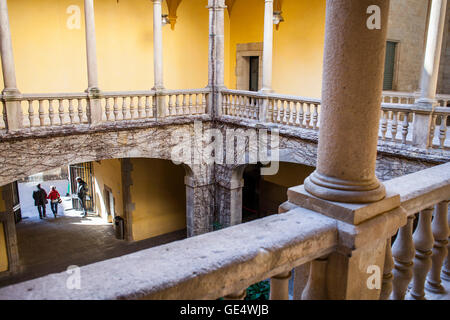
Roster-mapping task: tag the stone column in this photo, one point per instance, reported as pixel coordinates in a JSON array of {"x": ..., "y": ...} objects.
[
  {"x": 95, "y": 110},
  {"x": 428, "y": 83},
  {"x": 229, "y": 184},
  {"x": 344, "y": 186},
  {"x": 268, "y": 47},
  {"x": 351, "y": 96},
  {"x": 11, "y": 94},
  {"x": 158, "y": 59},
  {"x": 216, "y": 61},
  {"x": 199, "y": 199}
]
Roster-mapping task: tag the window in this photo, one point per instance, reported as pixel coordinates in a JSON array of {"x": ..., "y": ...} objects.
[{"x": 389, "y": 66}]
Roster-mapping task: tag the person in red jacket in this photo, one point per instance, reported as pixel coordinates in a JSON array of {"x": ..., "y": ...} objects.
[{"x": 55, "y": 198}]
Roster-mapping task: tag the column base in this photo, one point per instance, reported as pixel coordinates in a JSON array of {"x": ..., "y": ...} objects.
[{"x": 339, "y": 190}]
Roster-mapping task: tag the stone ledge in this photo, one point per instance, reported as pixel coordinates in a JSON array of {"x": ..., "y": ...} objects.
[{"x": 203, "y": 267}]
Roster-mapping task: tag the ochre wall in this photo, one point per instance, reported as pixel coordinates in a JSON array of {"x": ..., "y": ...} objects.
[
  {"x": 3, "y": 252},
  {"x": 51, "y": 58},
  {"x": 298, "y": 44},
  {"x": 159, "y": 196},
  {"x": 108, "y": 172}
]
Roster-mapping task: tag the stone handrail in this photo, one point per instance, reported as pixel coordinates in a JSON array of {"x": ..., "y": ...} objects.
[
  {"x": 409, "y": 98},
  {"x": 208, "y": 266}
]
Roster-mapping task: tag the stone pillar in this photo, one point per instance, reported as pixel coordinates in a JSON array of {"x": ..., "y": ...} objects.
[
  {"x": 344, "y": 185},
  {"x": 216, "y": 61},
  {"x": 268, "y": 47},
  {"x": 158, "y": 59},
  {"x": 11, "y": 94},
  {"x": 229, "y": 185},
  {"x": 199, "y": 205},
  {"x": 428, "y": 83},
  {"x": 95, "y": 110},
  {"x": 351, "y": 98}
]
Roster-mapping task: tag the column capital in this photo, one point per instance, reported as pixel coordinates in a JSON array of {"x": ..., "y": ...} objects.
[{"x": 216, "y": 4}]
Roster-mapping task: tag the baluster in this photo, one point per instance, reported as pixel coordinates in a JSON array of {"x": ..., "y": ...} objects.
[
  {"x": 233, "y": 105},
  {"x": 432, "y": 130},
  {"x": 132, "y": 108},
  {"x": 31, "y": 114},
  {"x": 117, "y": 115},
  {"x": 394, "y": 125},
  {"x": 308, "y": 115},
  {"x": 403, "y": 252},
  {"x": 198, "y": 101},
  {"x": 41, "y": 113},
  {"x": 275, "y": 110},
  {"x": 240, "y": 295},
  {"x": 301, "y": 115},
  {"x": 185, "y": 109},
  {"x": 154, "y": 111},
  {"x": 107, "y": 109},
  {"x": 247, "y": 111},
  {"x": 71, "y": 111},
  {"x": 191, "y": 106},
  {"x": 293, "y": 108},
  {"x": 204, "y": 103},
  {"x": 255, "y": 107},
  {"x": 80, "y": 110},
  {"x": 177, "y": 105},
  {"x": 279, "y": 286},
  {"x": 316, "y": 288},
  {"x": 423, "y": 241},
  {"x": 440, "y": 233},
  {"x": 282, "y": 111},
  {"x": 172, "y": 110},
  {"x": 147, "y": 108},
  {"x": 384, "y": 124},
  {"x": 443, "y": 131},
  {"x": 141, "y": 110},
  {"x": 124, "y": 108},
  {"x": 62, "y": 114},
  {"x": 315, "y": 116},
  {"x": 225, "y": 102},
  {"x": 405, "y": 126},
  {"x": 386, "y": 287},
  {"x": 51, "y": 112},
  {"x": 239, "y": 107}
]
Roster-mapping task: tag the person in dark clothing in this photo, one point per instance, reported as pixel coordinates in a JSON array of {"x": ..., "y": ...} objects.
[
  {"x": 81, "y": 194},
  {"x": 40, "y": 201}
]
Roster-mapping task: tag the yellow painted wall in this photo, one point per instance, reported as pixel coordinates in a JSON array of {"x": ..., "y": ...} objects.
[
  {"x": 3, "y": 252},
  {"x": 108, "y": 172},
  {"x": 50, "y": 57},
  {"x": 298, "y": 44},
  {"x": 159, "y": 195}
]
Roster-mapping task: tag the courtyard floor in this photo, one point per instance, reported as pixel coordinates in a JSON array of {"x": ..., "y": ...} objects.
[{"x": 51, "y": 245}]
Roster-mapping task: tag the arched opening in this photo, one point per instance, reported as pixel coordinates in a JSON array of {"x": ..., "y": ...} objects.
[{"x": 148, "y": 194}]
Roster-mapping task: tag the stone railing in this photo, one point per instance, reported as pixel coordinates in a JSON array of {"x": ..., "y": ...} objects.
[
  {"x": 409, "y": 98},
  {"x": 396, "y": 124},
  {"x": 118, "y": 106},
  {"x": 61, "y": 109},
  {"x": 186, "y": 102},
  {"x": 224, "y": 263},
  {"x": 41, "y": 110}
]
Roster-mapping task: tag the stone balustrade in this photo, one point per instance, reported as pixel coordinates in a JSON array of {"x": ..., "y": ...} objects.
[
  {"x": 409, "y": 98},
  {"x": 53, "y": 110},
  {"x": 396, "y": 121},
  {"x": 186, "y": 102},
  {"x": 224, "y": 263}
]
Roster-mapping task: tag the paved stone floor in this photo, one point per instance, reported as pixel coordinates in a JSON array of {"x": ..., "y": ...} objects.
[{"x": 51, "y": 245}]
